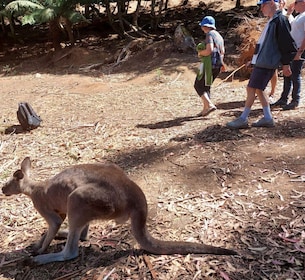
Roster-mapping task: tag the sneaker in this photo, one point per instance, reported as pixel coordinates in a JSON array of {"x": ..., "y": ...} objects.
[
  {"x": 238, "y": 123},
  {"x": 271, "y": 99},
  {"x": 290, "y": 106},
  {"x": 263, "y": 123},
  {"x": 279, "y": 103}
]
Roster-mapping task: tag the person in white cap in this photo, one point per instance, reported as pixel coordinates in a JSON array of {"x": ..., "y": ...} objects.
[
  {"x": 274, "y": 47},
  {"x": 211, "y": 53}
]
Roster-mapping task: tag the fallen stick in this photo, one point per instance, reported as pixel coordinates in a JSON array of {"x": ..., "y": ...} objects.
[
  {"x": 90, "y": 67},
  {"x": 151, "y": 268},
  {"x": 84, "y": 126},
  {"x": 109, "y": 274},
  {"x": 301, "y": 179},
  {"x": 175, "y": 79},
  {"x": 231, "y": 75},
  {"x": 11, "y": 262},
  {"x": 55, "y": 60},
  {"x": 69, "y": 275}
]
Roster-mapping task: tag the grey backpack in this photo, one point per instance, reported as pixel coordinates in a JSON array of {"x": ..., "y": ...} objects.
[{"x": 27, "y": 117}]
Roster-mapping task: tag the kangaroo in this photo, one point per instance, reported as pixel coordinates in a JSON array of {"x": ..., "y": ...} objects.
[{"x": 88, "y": 192}]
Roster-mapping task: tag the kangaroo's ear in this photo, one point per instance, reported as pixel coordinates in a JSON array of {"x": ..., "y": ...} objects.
[
  {"x": 26, "y": 166},
  {"x": 18, "y": 175}
]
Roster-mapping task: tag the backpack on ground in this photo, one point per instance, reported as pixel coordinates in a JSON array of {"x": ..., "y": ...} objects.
[{"x": 27, "y": 117}]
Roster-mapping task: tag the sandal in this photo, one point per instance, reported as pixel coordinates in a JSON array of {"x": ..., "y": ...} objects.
[{"x": 208, "y": 111}]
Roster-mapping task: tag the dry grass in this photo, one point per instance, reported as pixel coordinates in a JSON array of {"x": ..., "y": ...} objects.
[{"x": 249, "y": 31}]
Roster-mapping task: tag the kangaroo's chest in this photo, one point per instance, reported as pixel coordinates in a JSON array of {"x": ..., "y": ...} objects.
[{"x": 54, "y": 197}]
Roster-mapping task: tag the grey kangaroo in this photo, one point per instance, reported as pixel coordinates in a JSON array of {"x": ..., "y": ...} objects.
[{"x": 88, "y": 192}]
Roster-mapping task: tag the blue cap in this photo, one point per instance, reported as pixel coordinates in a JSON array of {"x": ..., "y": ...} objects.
[
  {"x": 264, "y": 1},
  {"x": 208, "y": 21}
]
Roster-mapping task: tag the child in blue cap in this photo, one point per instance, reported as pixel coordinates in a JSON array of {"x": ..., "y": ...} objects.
[{"x": 211, "y": 54}]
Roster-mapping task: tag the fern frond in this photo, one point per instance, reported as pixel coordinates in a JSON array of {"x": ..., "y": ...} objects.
[
  {"x": 23, "y": 5},
  {"x": 74, "y": 17},
  {"x": 39, "y": 16}
]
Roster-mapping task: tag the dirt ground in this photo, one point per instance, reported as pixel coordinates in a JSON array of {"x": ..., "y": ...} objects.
[{"x": 241, "y": 189}]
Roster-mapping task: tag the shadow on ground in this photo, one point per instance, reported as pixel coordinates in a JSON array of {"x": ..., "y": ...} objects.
[{"x": 213, "y": 134}]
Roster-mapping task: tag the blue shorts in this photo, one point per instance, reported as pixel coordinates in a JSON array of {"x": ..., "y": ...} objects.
[{"x": 260, "y": 77}]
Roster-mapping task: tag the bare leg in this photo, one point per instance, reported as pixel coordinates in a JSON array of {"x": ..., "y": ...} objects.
[
  {"x": 262, "y": 98},
  {"x": 273, "y": 82},
  {"x": 208, "y": 106},
  {"x": 250, "y": 97}
]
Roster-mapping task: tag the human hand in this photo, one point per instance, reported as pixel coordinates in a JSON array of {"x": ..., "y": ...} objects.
[
  {"x": 287, "y": 70},
  {"x": 290, "y": 8},
  {"x": 248, "y": 64},
  {"x": 298, "y": 56}
]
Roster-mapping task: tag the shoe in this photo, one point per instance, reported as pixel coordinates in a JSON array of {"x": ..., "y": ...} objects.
[
  {"x": 199, "y": 114},
  {"x": 208, "y": 111},
  {"x": 271, "y": 99},
  {"x": 238, "y": 123},
  {"x": 290, "y": 106},
  {"x": 263, "y": 123},
  {"x": 278, "y": 103}
]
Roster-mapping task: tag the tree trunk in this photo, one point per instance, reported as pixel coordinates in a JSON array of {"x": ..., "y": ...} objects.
[
  {"x": 121, "y": 8},
  {"x": 87, "y": 10},
  {"x": 166, "y": 5},
  {"x": 153, "y": 14},
  {"x": 136, "y": 14},
  {"x": 110, "y": 18},
  {"x": 55, "y": 33},
  {"x": 68, "y": 26},
  {"x": 155, "y": 19},
  {"x": 159, "y": 12}
]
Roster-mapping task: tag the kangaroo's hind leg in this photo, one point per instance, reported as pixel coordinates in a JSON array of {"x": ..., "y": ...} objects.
[
  {"x": 84, "y": 234},
  {"x": 63, "y": 234},
  {"x": 84, "y": 205}
]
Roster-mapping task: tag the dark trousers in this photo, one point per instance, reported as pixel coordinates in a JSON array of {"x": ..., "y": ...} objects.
[
  {"x": 200, "y": 86},
  {"x": 295, "y": 81}
]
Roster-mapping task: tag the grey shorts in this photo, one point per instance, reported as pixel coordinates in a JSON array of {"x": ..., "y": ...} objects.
[{"x": 260, "y": 77}]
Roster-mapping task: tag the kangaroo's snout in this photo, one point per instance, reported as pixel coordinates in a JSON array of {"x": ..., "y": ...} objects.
[{"x": 5, "y": 189}]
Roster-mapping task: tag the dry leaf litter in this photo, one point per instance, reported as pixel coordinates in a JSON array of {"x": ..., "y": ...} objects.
[{"x": 235, "y": 202}]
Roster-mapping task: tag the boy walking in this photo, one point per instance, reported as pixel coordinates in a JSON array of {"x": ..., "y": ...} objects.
[{"x": 211, "y": 53}]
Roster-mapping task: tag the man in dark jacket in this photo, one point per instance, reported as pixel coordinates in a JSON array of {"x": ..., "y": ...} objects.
[
  {"x": 274, "y": 47},
  {"x": 294, "y": 81}
]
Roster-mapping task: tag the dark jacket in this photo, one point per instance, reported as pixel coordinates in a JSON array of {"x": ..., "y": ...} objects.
[{"x": 278, "y": 46}]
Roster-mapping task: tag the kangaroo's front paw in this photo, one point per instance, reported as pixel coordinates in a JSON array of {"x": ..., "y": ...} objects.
[
  {"x": 33, "y": 249},
  {"x": 37, "y": 260},
  {"x": 40, "y": 251}
]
